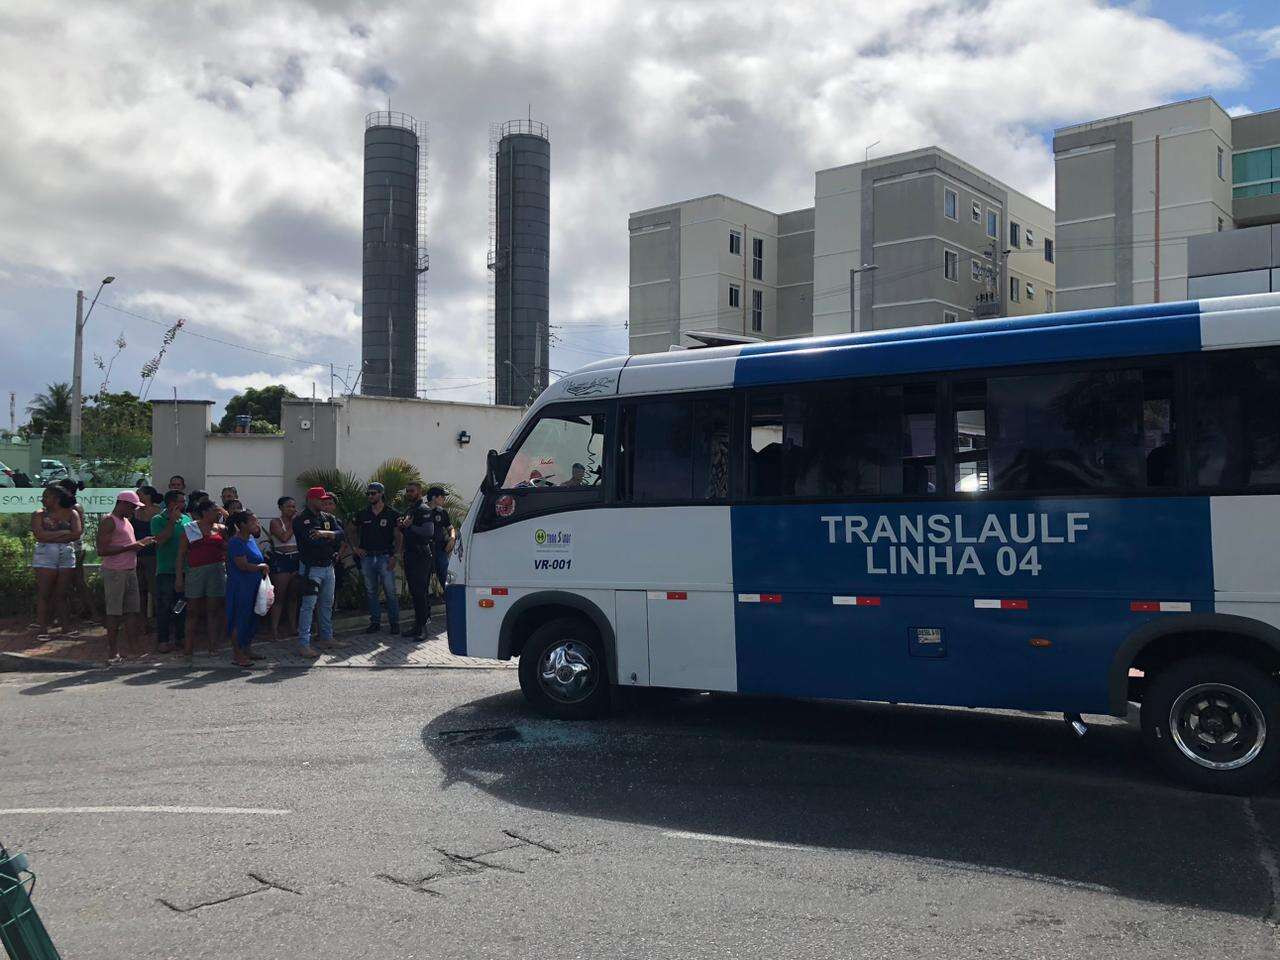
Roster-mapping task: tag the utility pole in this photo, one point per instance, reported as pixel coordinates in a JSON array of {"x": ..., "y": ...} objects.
[
  {"x": 81, "y": 319},
  {"x": 13, "y": 412},
  {"x": 1156, "y": 284},
  {"x": 78, "y": 362}
]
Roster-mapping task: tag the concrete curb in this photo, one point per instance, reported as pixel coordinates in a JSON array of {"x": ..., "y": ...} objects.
[{"x": 22, "y": 663}]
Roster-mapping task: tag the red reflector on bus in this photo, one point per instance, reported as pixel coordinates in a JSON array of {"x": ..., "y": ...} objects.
[
  {"x": 486, "y": 603},
  {"x": 1160, "y": 606},
  {"x": 856, "y": 601},
  {"x": 497, "y": 591},
  {"x": 677, "y": 595},
  {"x": 770, "y": 598},
  {"x": 1000, "y": 604}
]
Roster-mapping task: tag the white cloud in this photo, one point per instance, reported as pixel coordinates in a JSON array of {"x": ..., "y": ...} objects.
[
  {"x": 1239, "y": 110},
  {"x": 210, "y": 155},
  {"x": 1269, "y": 41}
]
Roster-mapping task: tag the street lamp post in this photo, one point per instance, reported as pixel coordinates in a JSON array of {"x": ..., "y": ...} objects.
[
  {"x": 855, "y": 315},
  {"x": 81, "y": 319}
]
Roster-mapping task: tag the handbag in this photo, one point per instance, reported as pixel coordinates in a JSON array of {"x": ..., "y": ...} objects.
[{"x": 266, "y": 597}]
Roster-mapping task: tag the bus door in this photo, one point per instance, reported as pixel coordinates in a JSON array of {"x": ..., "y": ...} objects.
[{"x": 674, "y": 539}]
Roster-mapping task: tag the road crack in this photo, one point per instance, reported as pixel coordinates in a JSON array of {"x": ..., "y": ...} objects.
[{"x": 264, "y": 886}]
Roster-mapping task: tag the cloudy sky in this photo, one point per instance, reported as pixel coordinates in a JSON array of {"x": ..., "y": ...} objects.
[{"x": 209, "y": 154}]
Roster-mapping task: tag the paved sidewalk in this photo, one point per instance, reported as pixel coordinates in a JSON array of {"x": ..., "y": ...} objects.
[{"x": 20, "y": 650}]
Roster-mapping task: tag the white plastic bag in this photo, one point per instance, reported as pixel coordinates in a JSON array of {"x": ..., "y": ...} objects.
[{"x": 266, "y": 597}]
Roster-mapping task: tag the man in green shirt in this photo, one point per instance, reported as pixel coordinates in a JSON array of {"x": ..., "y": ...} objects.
[{"x": 169, "y": 527}]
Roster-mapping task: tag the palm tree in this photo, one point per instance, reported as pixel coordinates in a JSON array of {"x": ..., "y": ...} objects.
[{"x": 51, "y": 411}]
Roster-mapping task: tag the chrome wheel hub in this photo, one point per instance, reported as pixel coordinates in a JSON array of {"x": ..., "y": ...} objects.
[
  {"x": 568, "y": 671},
  {"x": 1217, "y": 726}
]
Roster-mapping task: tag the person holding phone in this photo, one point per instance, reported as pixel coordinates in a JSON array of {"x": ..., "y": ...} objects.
[
  {"x": 169, "y": 529},
  {"x": 56, "y": 526}
]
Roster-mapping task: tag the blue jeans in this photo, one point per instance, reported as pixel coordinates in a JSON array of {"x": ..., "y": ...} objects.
[
  {"x": 376, "y": 570},
  {"x": 320, "y": 604}
]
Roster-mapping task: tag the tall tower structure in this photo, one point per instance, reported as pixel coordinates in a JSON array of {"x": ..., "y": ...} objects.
[
  {"x": 521, "y": 261},
  {"x": 393, "y": 343}
]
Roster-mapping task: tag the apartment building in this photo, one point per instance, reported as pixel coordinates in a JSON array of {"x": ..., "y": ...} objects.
[
  {"x": 1157, "y": 186},
  {"x": 910, "y": 239}
]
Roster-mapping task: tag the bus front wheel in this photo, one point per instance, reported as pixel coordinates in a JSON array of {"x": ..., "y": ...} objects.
[
  {"x": 1214, "y": 723},
  {"x": 563, "y": 672}
]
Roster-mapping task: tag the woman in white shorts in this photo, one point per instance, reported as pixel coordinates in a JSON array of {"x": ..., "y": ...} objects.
[{"x": 56, "y": 527}]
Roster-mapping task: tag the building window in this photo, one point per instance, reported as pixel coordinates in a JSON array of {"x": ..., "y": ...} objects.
[
  {"x": 757, "y": 310},
  {"x": 1048, "y": 250},
  {"x": 1015, "y": 234},
  {"x": 1030, "y": 238},
  {"x": 1255, "y": 173},
  {"x": 735, "y": 243},
  {"x": 975, "y": 271},
  {"x": 1014, "y": 285},
  {"x": 1031, "y": 290},
  {"x": 735, "y": 295},
  {"x": 1221, "y": 172},
  {"x": 949, "y": 316},
  {"x": 975, "y": 211},
  {"x": 757, "y": 258},
  {"x": 993, "y": 224},
  {"x": 950, "y": 204},
  {"x": 951, "y": 265},
  {"x": 1048, "y": 301}
]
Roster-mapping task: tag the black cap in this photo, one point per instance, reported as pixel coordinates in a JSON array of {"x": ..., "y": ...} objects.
[
  {"x": 374, "y": 485},
  {"x": 435, "y": 492}
]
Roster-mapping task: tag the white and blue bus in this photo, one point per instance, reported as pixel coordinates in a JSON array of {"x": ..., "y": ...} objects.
[{"x": 1071, "y": 512}]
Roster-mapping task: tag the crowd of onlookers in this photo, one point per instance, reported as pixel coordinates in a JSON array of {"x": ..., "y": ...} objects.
[{"x": 187, "y": 570}]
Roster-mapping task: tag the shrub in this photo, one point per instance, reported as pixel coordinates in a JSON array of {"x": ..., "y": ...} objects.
[{"x": 17, "y": 579}]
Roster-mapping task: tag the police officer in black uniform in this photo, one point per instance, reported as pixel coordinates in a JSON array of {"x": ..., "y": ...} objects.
[
  {"x": 441, "y": 537},
  {"x": 375, "y": 538},
  {"x": 419, "y": 535}
]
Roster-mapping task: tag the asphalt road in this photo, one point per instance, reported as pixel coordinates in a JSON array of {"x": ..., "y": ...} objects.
[{"x": 427, "y": 813}]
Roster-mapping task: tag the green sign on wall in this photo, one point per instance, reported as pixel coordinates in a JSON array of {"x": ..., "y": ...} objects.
[{"x": 27, "y": 499}]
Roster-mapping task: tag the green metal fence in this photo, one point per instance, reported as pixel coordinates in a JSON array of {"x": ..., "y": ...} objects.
[{"x": 21, "y": 931}]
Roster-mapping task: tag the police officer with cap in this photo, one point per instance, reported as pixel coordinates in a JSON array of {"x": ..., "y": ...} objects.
[
  {"x": 442, "y": 535},
  {"x": 419, "y": 531},
  {"x": 319, "y": 536}
]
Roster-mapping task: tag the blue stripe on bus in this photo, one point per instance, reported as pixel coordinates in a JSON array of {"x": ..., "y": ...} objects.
[
  {"x": 970, "y": 328},
  {"x": 455, "y": 618},
  {"x": 1138, "y": 337},
  {"x": 1078, "y": 595}
]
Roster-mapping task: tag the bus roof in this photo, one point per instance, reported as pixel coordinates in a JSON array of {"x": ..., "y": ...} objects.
[{"x": 1143, "y": 330}]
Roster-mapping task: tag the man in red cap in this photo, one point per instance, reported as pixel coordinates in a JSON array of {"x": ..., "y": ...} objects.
[
  {"x": 118, "y": 548},
  {"x": 319, "y": 535}
]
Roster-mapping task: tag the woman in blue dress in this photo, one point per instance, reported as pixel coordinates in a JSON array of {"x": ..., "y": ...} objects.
[{"x": 246, "y": 569}]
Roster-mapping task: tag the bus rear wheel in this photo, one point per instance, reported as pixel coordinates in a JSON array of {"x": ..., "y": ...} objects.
[
  {"x": 563, "y": 672},
  {"x": 1214, "y": 723}
]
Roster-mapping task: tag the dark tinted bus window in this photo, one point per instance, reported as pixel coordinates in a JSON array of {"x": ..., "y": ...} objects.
[
  {"x": 677, "y": 450},
  {"x": 843, "y": 439},
  {"x": 1236, "y": 402},
  {"x": 1070, "y": 430}
]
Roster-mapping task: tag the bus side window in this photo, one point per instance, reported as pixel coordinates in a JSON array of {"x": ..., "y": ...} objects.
[
  {"x": 677, "y": 450},
  {"x": 1235, "y": 396},
  {"x": 972, "y": 469},
  {"x": 563, "y": 450},
  {"x": 848, "y": 438}
]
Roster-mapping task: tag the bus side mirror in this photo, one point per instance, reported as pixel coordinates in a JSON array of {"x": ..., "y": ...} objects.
[{"x": 495, "y": 469}]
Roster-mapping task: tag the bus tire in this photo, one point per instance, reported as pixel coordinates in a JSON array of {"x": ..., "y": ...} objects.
[
  {"x": 563, "y": 670},
  {"x": 1214, "y": 723}
]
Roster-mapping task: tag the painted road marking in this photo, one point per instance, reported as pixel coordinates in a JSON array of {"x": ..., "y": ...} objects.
[
  {"x": 214, "y": 811},
  {"x": 908, "y": 858}
]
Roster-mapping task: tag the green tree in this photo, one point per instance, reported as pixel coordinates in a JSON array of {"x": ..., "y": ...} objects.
[
  {"x": 259, "y": 404},
  {"x": 51, "y": 411},
  {"x": 117, "y": 438}
]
